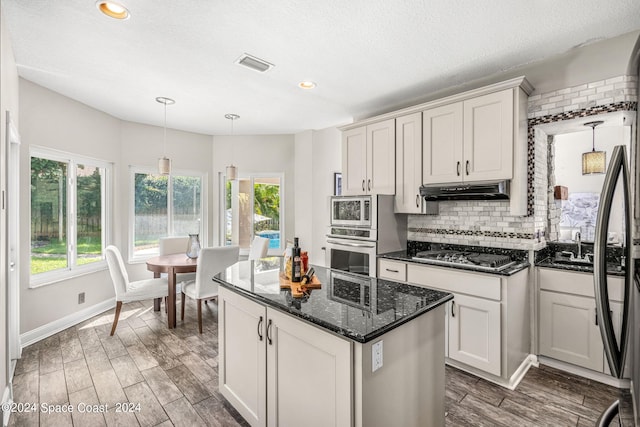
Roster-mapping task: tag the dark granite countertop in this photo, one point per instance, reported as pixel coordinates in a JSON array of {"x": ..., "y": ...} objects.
[
  {"x": 357, "y": 307},
  {"x": 548, "y": 256},
  {"x": 406, "y": 256}
]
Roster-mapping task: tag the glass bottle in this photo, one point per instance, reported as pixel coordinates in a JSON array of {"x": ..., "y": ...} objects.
[
  {"x": 193, "y": 247},
  {"x": 296, "y": 267}
]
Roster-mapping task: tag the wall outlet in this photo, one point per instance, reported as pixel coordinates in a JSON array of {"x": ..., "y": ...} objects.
[
  {"x": 81, "y": 298},
  {"x": 376, "y": 356}
]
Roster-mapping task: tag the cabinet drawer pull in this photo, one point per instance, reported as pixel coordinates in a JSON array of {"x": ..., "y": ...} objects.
[
  {"x": 363, "y": 185},
  {"x": 269, "y": 340},
  {"x": 458, "y": 168},
  {"x": 392, "y": 271},
  {"x": 596, "y": 311},
  {"x": 417, "y": 200},
  {"x": 466, "y": 167},
  {"x": 260, "y": 328},
  {"x": 453, "y": 304},
  {"x": 369, "y": 185}
]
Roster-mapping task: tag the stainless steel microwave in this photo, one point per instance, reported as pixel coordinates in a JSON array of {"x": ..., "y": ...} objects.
[{"x": 354, "y": 211}]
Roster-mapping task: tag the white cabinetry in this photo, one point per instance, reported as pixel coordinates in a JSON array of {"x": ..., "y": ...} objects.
[
  {"x": 474, "y": 333},
  {"x": 471, "y": 140},
  {"x": 305, "y": 372},
  {"x": 368, "y": 159},
  {"x": 487, "y": 323},
  {"x": 569, "y": 329},
  {"x": 408, "y": 164}
]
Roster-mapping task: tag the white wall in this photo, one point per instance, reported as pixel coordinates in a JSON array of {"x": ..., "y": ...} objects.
[
  {"x": 327, "y": 159},
  {"x": 55, "y": 121},
  {"x": 255, "y": 154},
  {"x": 8, "y": 102}
]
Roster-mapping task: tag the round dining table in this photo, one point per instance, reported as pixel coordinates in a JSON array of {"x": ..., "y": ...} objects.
[{"x": 171, "y": 264}]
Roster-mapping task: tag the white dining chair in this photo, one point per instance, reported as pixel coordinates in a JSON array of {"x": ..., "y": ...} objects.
[
  {"x": 127, "y": 291},
  {"x": 176, "y": 245},
  {"x": 259, "y": 248},
  {"x": 211, "y": 261}
]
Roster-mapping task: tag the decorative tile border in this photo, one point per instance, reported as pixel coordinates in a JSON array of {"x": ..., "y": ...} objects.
[
  {"x": 568, "y": 115},
  {"x": 476, "y": 233}
]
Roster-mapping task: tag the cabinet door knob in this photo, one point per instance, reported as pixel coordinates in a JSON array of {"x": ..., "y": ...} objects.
[
  {"x": 453, "y": 304},
  {"x": 363, "y": 185},
  {"x": 260, "y": 328},
  {"x": 466, "y": 167},
  {"x": 269, "y": 340},
  {"x": 458, "y": 168}
]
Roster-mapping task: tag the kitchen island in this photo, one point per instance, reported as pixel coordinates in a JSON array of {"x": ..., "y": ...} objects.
[{"x": 358, "y": 351}]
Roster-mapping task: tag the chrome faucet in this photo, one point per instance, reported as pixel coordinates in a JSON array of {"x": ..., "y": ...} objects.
[{"x": 579, "y": 244}]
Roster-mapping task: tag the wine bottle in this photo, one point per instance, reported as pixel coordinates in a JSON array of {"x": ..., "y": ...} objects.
[{"x": 296, "y": 270}]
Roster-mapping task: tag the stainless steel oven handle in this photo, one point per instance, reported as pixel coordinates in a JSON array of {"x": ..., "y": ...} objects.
[{"x": 353, "y": 245}]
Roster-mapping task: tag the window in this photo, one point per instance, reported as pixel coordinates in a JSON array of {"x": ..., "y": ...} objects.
[
  {"x": 164, "y": 205},
  {"x": 253, "y": 206},
  {"x": 69, "y": 216}
]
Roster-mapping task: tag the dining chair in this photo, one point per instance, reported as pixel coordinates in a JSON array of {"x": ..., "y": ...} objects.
[
  {"x": 176, "y": 245},
  {"x": 211, "y": 261},
  {"x": 127, "y": 291},
  {"x": 606, "y": 418},
  {"x": 259, "y": 248}
]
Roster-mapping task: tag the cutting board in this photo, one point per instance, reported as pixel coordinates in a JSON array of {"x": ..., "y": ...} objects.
[{"x": 297, "y": 288}]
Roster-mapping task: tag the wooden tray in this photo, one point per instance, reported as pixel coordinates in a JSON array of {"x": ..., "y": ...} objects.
[{"x": 297, "y": 288}]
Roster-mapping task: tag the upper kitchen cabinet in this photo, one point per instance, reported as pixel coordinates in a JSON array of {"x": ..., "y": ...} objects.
[
  {"x": 408, "y": 164},
  {"x": 471, "y": 140},
  {"x": 368, "y": 159}
]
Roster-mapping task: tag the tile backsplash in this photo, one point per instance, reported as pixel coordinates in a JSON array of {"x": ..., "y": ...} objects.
[{"x": 489, "y": 223}]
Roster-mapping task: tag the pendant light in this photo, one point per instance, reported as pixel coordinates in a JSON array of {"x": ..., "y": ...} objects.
[
  {"x": 232, "y": 171},
  {"x": 594, "y": 161},
  {"x": 164, "y": 164}
]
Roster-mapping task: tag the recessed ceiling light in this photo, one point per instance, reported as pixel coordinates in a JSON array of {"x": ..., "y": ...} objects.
[
  {"x": 307, "y": 85},
  {"x": 113, "y": 9}
]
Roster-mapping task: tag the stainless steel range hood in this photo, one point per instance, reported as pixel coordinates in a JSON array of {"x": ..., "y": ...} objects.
[{"x": 494, "y": 190}]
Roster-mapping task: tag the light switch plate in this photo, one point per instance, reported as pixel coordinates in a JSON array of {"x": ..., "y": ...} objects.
[{"x": 376, "y": 356}]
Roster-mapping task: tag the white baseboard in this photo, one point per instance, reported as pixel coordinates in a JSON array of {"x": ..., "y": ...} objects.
[
  {"x": 586, "y": 373},
  {"x": 7, "y": 399},
  {"x": 511, "y": 383},
  {"x": 56, "y": 326}
]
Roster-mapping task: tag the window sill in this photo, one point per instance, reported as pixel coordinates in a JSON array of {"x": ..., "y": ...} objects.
[{"x": 52, "y": 277}]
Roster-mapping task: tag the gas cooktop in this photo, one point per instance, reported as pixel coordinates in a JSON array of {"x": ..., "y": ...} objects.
[{"x": 475, "y": 260}]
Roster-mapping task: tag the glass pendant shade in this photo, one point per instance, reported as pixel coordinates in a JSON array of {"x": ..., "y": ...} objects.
[
  {"x": 594, "y": 162},
  {"x": 232, "y": 173},
  {"x": 164, "y": 166}
]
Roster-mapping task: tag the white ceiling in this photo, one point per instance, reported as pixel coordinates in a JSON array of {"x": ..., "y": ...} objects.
[{"x": 365, "y": 55}]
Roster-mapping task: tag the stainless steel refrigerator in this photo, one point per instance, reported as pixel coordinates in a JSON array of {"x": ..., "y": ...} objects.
[{"x": 628, "y": 347}]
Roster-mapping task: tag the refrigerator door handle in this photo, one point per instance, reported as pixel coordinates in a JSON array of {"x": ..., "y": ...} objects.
[{"x": 614, "y": 352}]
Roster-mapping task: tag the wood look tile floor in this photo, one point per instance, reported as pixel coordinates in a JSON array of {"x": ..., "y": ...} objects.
[{"x": 172, "y": 376}]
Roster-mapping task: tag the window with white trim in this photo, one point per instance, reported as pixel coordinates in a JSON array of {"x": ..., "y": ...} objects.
[
  {"x": 253, "y": 205},
  {"x": 70, "y": 214},
  {"x": 164, "y": 205}
]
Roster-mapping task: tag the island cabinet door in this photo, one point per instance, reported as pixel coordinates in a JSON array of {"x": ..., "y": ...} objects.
[
  {"x": 308, "y": 375},
  {"x": 242, "y": 355},
  {"x": 474, "y": 333}
]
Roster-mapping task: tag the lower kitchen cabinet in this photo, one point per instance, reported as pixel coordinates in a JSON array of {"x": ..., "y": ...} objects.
[
  {"x": 569, "y": 331},
  {"x": 487, "y": 323},
  {"x": 568, "y": 326},
  {"x": 270, "y": 361},
  {"x": 474, "y": 333}
]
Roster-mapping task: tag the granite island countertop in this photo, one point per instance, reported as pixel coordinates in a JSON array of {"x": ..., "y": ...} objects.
[{"x": 360, "y": 308}]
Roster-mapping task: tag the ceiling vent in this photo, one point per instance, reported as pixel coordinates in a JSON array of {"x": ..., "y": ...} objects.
[{"x": 256, "y": 64}]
